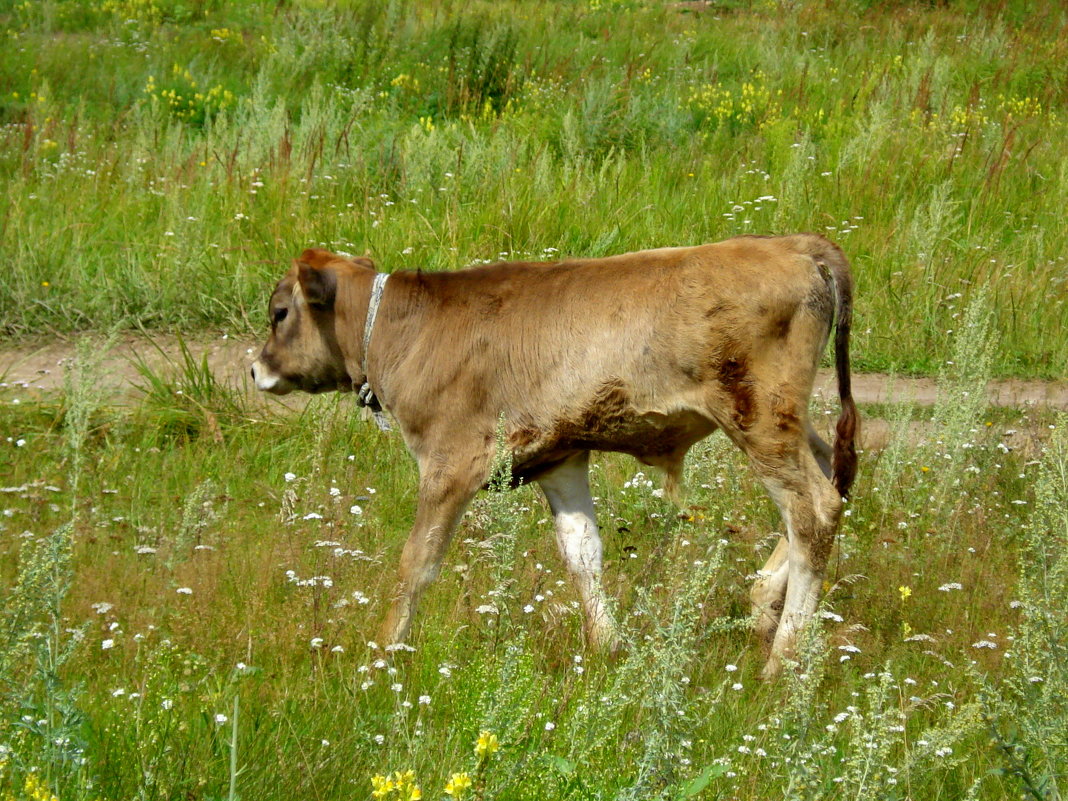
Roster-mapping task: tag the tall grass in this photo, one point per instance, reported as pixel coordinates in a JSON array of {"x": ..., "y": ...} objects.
[{"x": 206, "y": 144}]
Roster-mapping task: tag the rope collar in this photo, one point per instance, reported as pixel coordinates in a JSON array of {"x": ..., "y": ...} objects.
[{"x": 366, "y": 396}]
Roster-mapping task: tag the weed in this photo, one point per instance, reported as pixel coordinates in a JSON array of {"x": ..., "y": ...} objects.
[
  {"x": 187, "y": 400},
  {"x": 41, "y": 716},
  {"x": 1027, "y": 711}
]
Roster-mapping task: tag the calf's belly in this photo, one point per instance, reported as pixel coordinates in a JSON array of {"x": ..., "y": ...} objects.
[{"x": 652, "y": 437}]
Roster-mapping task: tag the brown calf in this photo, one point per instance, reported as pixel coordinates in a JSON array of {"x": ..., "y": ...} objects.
[{"x": 644, "y": 353}]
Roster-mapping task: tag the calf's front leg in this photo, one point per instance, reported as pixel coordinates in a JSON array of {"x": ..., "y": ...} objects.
[{"x": 443, "y": 496}]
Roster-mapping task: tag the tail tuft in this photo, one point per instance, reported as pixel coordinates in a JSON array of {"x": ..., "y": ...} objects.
[{"x": 844, "y": 459}]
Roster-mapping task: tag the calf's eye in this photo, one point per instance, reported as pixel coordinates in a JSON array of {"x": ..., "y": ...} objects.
[{"x": 279, "y": 315}]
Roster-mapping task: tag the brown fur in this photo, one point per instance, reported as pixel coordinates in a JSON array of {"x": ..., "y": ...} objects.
[{"x": 644, "y": 353}]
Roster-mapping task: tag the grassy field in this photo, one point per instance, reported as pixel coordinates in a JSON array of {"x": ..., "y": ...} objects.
[
  {"x": 191, "y": 580},
  {"x": 162, "y": 160},
  {"x": 192, "y": 584}
]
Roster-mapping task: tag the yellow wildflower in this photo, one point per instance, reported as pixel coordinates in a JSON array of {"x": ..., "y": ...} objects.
[
  {"x": 458, "y": 785},
  {"x": 36, "y": 789},
  {"x": 382, "y": 785},
  {"x": 487, "y": 744},
  {"x": 403, "y": 784}
]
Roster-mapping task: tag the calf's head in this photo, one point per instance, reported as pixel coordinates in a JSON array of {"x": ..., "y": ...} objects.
[{"x": 314, "y": 341}]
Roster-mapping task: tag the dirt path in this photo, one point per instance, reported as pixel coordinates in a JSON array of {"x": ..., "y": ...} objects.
[
  {"x": 31, "y": 372},
  {"x": 40, "y": 368}
]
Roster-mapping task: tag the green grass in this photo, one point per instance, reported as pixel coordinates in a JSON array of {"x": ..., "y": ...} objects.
[
  {"x": 162, "y": 161},
  {"x": 173, "y": 561}
]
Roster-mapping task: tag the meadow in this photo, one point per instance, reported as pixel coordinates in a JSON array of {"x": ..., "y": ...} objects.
[
  {"x": 192, "y": 577},
  {"x": 162, "y": 160}
]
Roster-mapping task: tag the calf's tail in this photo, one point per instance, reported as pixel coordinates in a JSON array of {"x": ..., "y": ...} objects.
[{"x": 844, "y": 458}]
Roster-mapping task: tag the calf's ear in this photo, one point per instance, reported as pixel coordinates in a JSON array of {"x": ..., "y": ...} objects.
[
  {"x": 319, "y": 285},
  {"x": 317, "y": 257}
]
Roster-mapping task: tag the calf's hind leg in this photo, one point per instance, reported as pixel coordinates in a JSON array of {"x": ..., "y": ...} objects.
[
  {"x": 769, "y": 590},
  {"x": 567, "y": 488},
  {"x": 811, "y": 507},
  {"x": 820, "y": 450},
  {"x": 791, "y": 464},
  {"x": 769, "y": 593}
]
